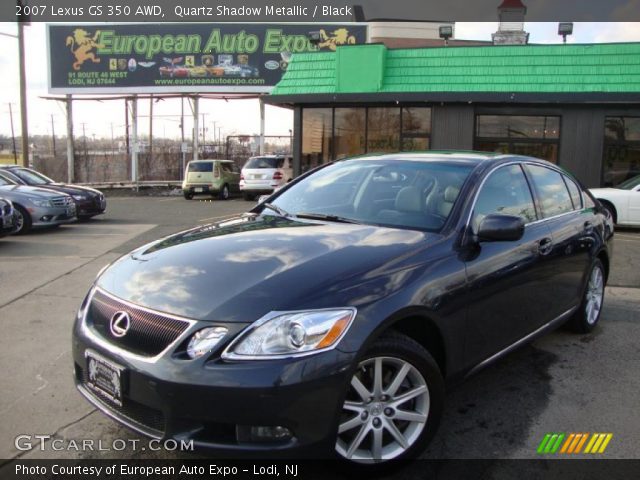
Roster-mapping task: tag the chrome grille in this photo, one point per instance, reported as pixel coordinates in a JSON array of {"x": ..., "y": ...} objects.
[
  {"x": 149, "y": 333},
  {"x": 61, "y": 201}
]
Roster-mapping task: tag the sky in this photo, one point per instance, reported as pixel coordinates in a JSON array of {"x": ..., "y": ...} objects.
[{"x": 234, "y": 117}]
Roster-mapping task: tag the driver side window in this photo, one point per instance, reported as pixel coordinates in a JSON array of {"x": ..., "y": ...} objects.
[{"x": 505, "y": 192}]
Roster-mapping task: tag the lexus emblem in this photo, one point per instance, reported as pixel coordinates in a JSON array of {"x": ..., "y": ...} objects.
[{"x": 120, "y": 323}]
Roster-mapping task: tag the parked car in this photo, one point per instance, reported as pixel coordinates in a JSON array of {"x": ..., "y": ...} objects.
[
  {"x": 264, "y": 174},
  {"x": 329, "y": 319},
  {"x": 211, "y": 177},
  {"x": 7, "y": 217},
  {"x": 622, "y": 201},
  {"x": 36, "y": 207},
  {"x": 89, "y": 201}
]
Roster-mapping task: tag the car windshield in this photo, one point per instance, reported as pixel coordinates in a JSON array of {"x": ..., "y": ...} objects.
[
  {"x": 629, "y": 184},
  {"x": 201, "y": 167},
  {"x": 264, "y": 162},
  {"x": 396, "y": 193},
  {"x": 5, "y": 181},
  {"x": 31, "y": 177}
]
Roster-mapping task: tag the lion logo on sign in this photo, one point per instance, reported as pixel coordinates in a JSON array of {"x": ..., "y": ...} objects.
[
  {"x": 338, "y": 37},
  {"x": 81, "y": 44}
]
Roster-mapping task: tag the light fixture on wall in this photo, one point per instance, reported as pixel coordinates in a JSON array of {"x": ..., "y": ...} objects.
[
  {"x": 446, "y": 32},
  {"x": 565, "y": 29}
]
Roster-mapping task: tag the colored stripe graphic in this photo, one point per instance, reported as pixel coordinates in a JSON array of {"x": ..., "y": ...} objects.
[{"x": 573, "y": 443}]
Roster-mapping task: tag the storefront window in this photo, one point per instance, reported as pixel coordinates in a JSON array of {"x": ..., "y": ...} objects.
[
  {"x": 416, "y": 128},
  {"x": 536, "y": 136},
  {"x": 621, "y": 150},
  {"x": 383, "y": 134},
  {"x": 349, "y": 132},
  {"x": 317, "y": 131}
]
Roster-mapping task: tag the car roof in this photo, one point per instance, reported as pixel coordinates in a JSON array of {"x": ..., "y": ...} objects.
[{"x": 210, "y": 160}]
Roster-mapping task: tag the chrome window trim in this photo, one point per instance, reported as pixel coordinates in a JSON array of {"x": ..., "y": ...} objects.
[
  {"x": 516, "y": 162},
  {"x": 111, "y": 348}
]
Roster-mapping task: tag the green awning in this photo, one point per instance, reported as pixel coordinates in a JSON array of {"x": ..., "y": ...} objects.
[{"x": 510, "y": 70}]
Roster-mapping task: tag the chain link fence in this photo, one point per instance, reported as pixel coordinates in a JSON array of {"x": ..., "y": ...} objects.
[{"x": 97, "y": 162}]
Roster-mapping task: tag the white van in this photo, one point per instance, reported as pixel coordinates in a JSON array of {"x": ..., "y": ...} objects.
[{"x": 264, "y": 174}]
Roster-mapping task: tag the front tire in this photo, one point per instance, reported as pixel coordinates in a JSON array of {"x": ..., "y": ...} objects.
[
  {"x": 393, "y": 404},
  {"x": 588, "y": 314},
  {"x": 23, "y": 220}
]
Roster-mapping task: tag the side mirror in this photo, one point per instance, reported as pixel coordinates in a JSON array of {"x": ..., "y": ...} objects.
[
  {"x": 501, "y": 228},
  {"x": 263, "y": 198}
]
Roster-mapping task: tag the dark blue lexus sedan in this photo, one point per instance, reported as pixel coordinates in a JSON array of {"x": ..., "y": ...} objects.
[{"x": 328, "y": 320}]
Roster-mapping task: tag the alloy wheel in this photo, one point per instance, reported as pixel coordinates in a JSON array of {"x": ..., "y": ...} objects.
[
  {"x": 594, "y": 294},
  {"x": 19, "y": 220},
  {"x": 385, "y": 411}
]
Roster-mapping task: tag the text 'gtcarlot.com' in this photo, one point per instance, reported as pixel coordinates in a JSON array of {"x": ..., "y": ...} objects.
[{"x": 45, "y": 442}]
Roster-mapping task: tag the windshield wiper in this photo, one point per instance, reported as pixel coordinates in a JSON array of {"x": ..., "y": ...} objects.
[
  {"x": 280, "y": 211},
  {"x": 324, "y": 216}
]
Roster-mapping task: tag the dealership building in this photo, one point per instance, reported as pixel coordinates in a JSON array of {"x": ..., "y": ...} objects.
[{"x": 574, "y": 105}]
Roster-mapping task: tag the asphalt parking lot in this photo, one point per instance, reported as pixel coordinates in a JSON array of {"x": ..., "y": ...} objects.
[{"x": 560, "y": 383}]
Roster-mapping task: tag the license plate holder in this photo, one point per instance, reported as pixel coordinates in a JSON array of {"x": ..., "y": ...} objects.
[{"x": 104, "y": 377}]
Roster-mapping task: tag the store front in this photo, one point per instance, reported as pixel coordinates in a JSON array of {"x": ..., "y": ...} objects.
[{"x": 574, "y": 105}]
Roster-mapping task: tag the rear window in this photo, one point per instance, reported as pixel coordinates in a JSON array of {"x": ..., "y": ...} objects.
[
  {"x": 264, "y": 162},
  {"x": 552, "y": 191},
  {"x": 201, "y": 167}
]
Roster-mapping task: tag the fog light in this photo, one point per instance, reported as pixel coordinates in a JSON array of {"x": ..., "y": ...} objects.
[
  {"x": 261, "y": 434},
  {"x": 203, "y": 341},
  {"x": 46, "y": 218}
]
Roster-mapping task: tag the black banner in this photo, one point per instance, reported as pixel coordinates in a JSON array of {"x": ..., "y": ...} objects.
[
  {"x": 147, "y": 58},
  {"x": 590, "y": 469}
]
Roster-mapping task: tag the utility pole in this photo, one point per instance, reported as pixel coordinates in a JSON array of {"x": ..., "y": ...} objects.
[
  {"x": 182, "y": 146},
  {"x": 13, "y": 136},
  {"x": 23, "y": 97},
  {"x": 204, "y": 128},
  {"x": 150, "y": 157},
  {"x": 70, "y": 147},
  {"x": 84, "y": 141}
]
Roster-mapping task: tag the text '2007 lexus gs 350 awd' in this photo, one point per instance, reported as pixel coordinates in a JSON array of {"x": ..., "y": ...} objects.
[{"x": 328, "y": 320}]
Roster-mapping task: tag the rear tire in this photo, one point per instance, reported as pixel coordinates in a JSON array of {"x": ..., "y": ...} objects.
[
  {"x": 588, "y": 314},
  {"x": 224, "y": 192},
  {"x": 23, "y": 220},
  {"x": 395, "y": 417},
  {"x": 188, "y": 196}
]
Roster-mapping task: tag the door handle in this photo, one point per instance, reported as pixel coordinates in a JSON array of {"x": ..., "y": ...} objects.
[{"x": 545, "y": 246}]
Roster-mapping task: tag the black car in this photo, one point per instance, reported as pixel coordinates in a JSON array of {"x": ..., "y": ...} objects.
[
  {"x": 328, "y": 320},
  {"x": 7, "y": 218},
  {"x": 89, "y": 201}
]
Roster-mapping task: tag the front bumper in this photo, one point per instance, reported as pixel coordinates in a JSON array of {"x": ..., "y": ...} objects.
[
  {"x": 210, "y": 401},
  {"x": 51, "y": 216},
  {"x": 7, "y": 224},
  {"x": 91, "y": 207}
]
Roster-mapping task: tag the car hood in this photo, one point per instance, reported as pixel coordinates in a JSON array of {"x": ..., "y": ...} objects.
[
  {"x": 71, "y": 189},
  {"x": 240, "y": 269},
  {"x": 22, "y": 191}
]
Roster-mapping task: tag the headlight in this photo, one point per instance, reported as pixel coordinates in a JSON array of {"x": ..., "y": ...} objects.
[
  {"x": 287, "y": 334},
  {"x": 40, "y": 203},
  {"x": 79, "y": 197},
  {"x": 203, "y": 341}
]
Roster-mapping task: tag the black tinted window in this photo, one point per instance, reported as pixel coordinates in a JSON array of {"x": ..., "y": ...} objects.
[
  {"x": 574, "y": 191},
  {"x": 506, "y": 192},
  {"x": 552, "y": 191},
  {"x": 201, "y": 167},
  {"x": 264, "y": 162}
]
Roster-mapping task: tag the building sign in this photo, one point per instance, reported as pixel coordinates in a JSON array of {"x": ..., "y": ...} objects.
[{"x": 147, "y": 58}]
